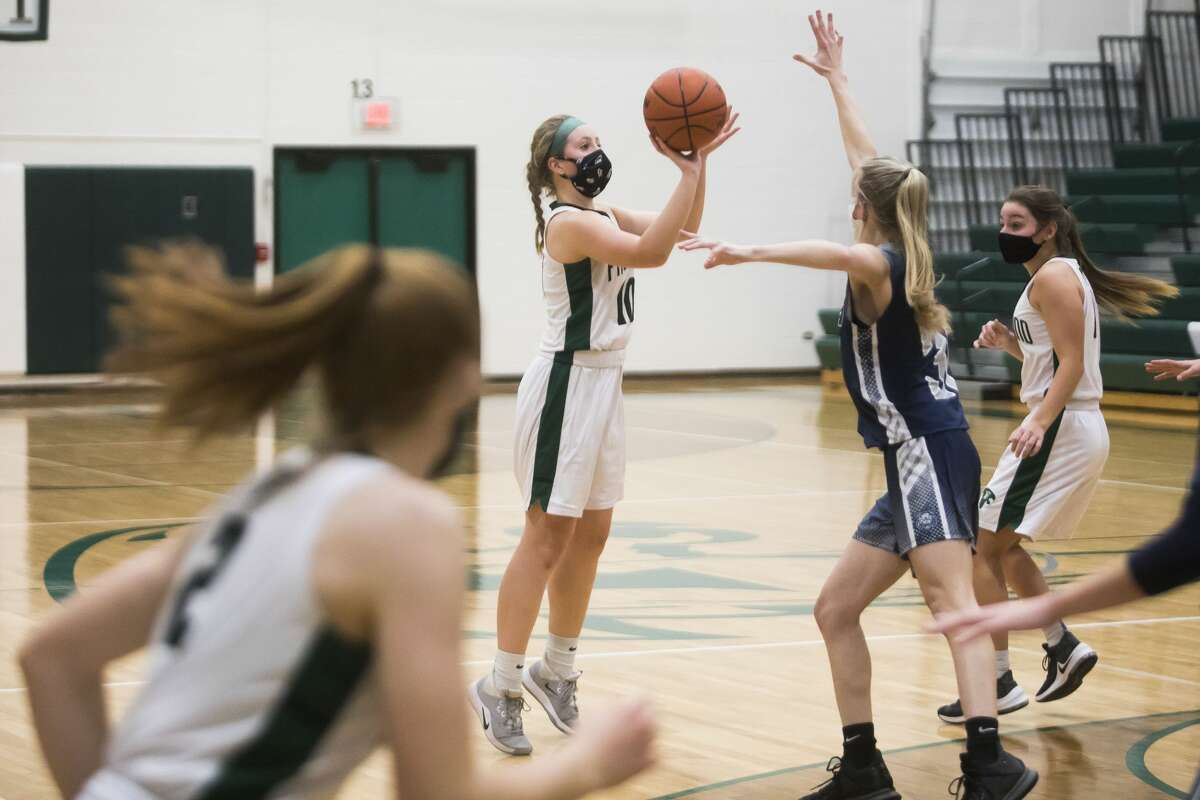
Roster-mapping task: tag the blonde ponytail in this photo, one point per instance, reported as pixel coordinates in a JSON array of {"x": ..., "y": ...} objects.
[{"x": 898, "y": 195}]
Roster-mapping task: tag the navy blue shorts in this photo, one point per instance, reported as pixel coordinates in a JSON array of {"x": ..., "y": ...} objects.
[{"x": 933, "y": 494}]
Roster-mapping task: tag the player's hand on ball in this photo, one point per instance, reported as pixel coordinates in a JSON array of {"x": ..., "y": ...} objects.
[
  {"x": 827, "y": 60},
  {"x": 727, "y": 132},
  {"x": 1166, "y": 368},
  {"x": 995, "y": 335},
  {"x": 613, "y": 746},
  {"x": 1026, "y": 440},
  {"x": 720, "y": 253},
  {"x": 688, "y": 164}
]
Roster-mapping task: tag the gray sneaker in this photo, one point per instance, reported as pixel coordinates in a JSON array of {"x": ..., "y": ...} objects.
[
  {"x": 501, "y": 717},
  {"x": 555, "y": 695}
]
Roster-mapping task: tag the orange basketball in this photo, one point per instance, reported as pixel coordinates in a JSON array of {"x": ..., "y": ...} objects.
[{"x": 685, "y": 107}]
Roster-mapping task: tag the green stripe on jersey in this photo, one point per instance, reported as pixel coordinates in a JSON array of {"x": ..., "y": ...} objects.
[
  {"x": 545, "y": 457},
  {"x": 327, "y": 676},
  {"x": 579, "y": 289},
  {"x": 1029, "y": 472}
]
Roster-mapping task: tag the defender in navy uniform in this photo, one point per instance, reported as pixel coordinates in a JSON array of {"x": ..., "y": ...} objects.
[{"x": 895, "y": 362}]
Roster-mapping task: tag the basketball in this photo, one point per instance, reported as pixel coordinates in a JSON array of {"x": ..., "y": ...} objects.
[{"x": 685, "y": 107}]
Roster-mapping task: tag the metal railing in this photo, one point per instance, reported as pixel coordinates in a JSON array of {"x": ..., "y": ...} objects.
[
  {"x": 1179, "y": 33},
  {"x": 927, "y": 74},
  {"x": 1046, "y": 134},
  {"x": 1090, "y": 91},
  {"x": 1138, "y": 86},
  {"x": 994, "y": 160},
  {"x": 944, "y": 163},
  {"x": 1139, "y": 82}
]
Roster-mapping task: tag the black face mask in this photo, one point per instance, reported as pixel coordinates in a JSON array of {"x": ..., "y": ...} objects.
[
  {"x": 1017, "y": 249},
  {"x": 458, "y": 436},
  {"x": 592, "y": 173}
]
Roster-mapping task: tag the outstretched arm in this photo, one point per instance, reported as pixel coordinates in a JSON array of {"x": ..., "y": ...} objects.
[
  {"x": 1111, "y": 587},
  {"x": 862, "y": 262},
  {"x": 827, "y": 62}
]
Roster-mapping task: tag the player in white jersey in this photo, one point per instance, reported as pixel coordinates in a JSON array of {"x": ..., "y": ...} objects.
[
  {"x": 569, "y": 453},
  {"x": 316, "y": 614},
  {"x": 1047, "y": 475}
]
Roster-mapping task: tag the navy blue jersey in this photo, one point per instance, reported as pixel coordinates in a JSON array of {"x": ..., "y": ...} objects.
[{"x": 898, "y": 377}]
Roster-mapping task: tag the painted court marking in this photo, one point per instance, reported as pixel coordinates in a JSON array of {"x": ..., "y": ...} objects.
[{"x": 731, "y": 648}]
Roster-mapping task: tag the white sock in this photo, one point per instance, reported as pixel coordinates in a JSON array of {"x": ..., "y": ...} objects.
[
  {"x": 506, "y": 673},
  {"x": 560, "y": 655},
  {"x": 1054, "y": 633},
  {"x": 1002, "y": 663}
]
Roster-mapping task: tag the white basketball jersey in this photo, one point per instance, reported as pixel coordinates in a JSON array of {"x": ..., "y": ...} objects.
[
  {"x": 589, "y": 305},
  {"x": 250, "y": 692},
  {"x": 1040, "y": 360}
]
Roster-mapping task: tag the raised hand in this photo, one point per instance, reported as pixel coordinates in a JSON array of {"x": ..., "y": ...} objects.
[
  {"x": 720, "y": 253},
  {"x": 827, "y": 60},
  {"x": 1165, "y": 368},
  {"x": 727, "y": 132}
]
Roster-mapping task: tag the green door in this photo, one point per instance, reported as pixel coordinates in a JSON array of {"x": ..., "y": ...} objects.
[
  {"x": 79, "y": 221},
  {"x": 320, "y": 203},
  {"x": 142, "y": 205},
  {"x": 390, "y": 197},
  {"x": 423, "y": 202}
]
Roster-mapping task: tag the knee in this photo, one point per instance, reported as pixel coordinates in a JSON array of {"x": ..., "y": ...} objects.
[
  {"x": 833, "y": 614},
  {"x": 991, "y": 550},
  {"x": 985, "y": 547},
  {"x": 1012, "y": 555},
  {"x": 943, "y": 597},
  {"x": 589, "y": 541},
  {"x": 546, "y": 542}
]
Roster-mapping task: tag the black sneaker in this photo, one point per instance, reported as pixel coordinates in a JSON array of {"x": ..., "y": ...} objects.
[
  {"x": 1006, "y": 778},
  {"x": 1066, "y": 665},
  {"x": 1009, "y": 698},
  {"x": 872, "y": 782}
]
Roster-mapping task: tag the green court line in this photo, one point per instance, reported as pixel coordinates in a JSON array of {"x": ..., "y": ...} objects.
[
  {"x": 59, "y": 573},
  {"x": 1135, "y": 759},
  {"x": 929, "y": 745}
]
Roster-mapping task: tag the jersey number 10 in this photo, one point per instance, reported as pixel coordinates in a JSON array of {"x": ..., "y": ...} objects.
[{"x": 625, "y": 303}]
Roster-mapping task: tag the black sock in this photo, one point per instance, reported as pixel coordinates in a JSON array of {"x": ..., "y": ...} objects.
[
  {"x": 858, "y": 744},
  {"x": 983, "y": 739}
]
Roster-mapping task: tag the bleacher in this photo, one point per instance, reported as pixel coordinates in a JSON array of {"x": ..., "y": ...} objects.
[{"x": 1120, "y": 139}]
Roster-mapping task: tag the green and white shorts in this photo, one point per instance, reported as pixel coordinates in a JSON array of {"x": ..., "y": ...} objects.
[
  {"x": 569, "y": 453},
  {"x": 1048, "y": 493}
]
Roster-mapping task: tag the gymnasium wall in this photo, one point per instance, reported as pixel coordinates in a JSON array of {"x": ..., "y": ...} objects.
[
  {"x": 224, "y": 81},
  {"x": 1021, "y": 38}
]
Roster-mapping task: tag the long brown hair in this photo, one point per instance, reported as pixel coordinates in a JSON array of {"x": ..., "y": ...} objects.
[
  {"x": 898, "y": 196},
  {"x": 1124, "y": 294},
  {"x": 379, "y": 327},
  {"x": 537, "y": 173}
]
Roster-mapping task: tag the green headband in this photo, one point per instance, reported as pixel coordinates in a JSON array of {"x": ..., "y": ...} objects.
[{"x": 560, "y": 136}]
